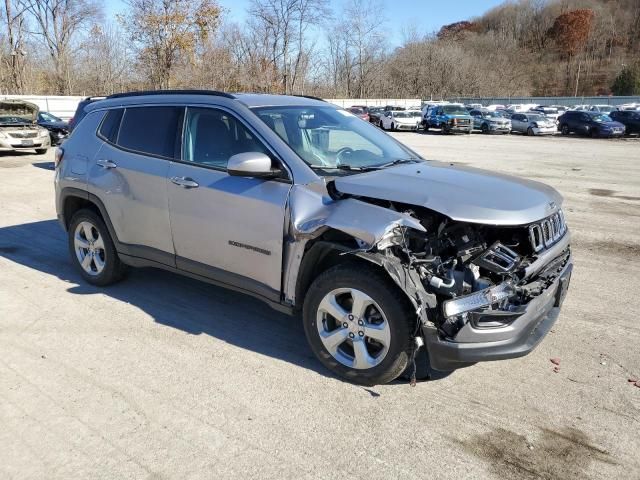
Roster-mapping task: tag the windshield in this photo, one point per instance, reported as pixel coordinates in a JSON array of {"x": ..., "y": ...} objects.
[
  {"x": 330, "y": 139},
  {"x": 492, "y": 114},
  {"x": 548, "y": 110},
  {"x": 600, "y": 117},
  {"x": 403, "y": 114},
  {"x": 454, "y": 110},
  {"x": 47, "y": 117}
]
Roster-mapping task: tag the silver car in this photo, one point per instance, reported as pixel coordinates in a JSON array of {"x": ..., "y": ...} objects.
[
  {"x": 533, "y": 124},
  {"x": 19, "y": 130},
  {"x": 390, "y": 259},
  {"x": 488, "y": 121}
]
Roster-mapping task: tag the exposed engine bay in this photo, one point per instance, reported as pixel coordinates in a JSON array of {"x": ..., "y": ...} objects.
[{"x": 476, "y": 273}]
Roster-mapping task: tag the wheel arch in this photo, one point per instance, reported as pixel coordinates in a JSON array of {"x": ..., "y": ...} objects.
[
  {"x": 74, "y": 199},
  {"x": 332, "y": 248}
]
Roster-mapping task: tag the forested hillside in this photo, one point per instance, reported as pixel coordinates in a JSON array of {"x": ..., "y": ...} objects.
[{"x": 524, "y": 47}]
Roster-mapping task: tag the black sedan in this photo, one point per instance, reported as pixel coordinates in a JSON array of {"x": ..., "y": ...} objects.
[
  {"x": 58, "y": 128},
  {"x": 629, "y": 118}
]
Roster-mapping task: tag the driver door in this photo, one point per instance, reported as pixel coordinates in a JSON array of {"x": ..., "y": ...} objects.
[{"x": 227, "y": 228}]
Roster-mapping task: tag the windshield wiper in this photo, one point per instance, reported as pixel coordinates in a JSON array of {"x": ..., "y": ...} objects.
[{"x": 400, "y": 161}]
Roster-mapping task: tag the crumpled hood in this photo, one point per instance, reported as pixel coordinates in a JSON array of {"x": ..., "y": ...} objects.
[
  {"x": 463, "y": 194},
  {"x": 19, "y": 108}
]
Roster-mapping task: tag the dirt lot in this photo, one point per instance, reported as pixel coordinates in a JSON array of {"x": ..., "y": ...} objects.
[{"x": 165, "y": 377}]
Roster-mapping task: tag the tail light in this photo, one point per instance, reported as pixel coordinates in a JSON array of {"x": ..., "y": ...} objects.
[{"x": 58, "y": 156}]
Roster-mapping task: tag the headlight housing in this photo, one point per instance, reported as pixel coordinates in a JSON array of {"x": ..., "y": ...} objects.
[
  {"x": 43, "y": 132},
  {"x": 3, "y": 135}
]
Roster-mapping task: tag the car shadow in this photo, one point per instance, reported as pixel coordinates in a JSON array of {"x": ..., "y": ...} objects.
[
  {"x": 44, "y": 165},
  {"x": 171, "y": 299}
]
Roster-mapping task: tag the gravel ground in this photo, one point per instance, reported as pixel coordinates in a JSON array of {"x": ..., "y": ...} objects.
[{"x": 165, "y": 377}]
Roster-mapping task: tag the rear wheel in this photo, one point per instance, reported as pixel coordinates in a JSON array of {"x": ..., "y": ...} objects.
[
  {"x": 359, "y": 324},
  {"x": 564, "y": 129},
  {"x": 393, "y": 127},
  {"x": 92, "y": 250},
  {"x": 381, "y": 125}
]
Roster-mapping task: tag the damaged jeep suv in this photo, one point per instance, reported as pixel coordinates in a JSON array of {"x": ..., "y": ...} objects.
[{"x": 389, "y": 258}]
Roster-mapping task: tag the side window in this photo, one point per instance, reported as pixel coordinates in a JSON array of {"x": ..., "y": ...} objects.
[
  {"x": 212, "y": 136},
  {"x": 150, "y": 130},
  {"x": 110, "y": 125}
]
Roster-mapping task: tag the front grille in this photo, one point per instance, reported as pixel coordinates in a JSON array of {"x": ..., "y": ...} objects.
[
  {"x": 462, "y": 121},
  {"x": 23, "y": 134},
  {"x": 547, "y": 232}
]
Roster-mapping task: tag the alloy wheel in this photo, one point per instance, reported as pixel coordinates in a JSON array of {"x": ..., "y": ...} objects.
[
  {"x": 89, "y": 248},
  {"x": 353, "y": 328}
]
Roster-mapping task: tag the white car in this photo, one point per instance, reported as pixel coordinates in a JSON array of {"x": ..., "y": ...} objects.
[
  {"x": 549, "y": 112},
  {"x": 401, "y": 120},
  {"x": 495, "y": 106}
]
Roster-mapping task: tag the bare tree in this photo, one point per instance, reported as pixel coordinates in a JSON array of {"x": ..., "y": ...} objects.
[
  {"x": 15, "y": 28},
  {"x": 57, "y": 22},
  {"x": 285, "y": 24},
  {"x": 166, "y": 32}
]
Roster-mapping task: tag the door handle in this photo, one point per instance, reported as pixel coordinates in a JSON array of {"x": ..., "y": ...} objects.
[
  {"x": 106, "y": 164},
  {"x": 185, "y": 182}
]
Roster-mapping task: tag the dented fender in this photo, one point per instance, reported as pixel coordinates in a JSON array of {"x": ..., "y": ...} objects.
[{"x": 312, "y": 212}]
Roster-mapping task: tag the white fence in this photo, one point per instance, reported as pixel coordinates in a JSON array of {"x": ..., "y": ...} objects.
[{"x": 63, "y": 107}]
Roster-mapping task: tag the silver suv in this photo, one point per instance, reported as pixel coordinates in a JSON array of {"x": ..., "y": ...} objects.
[{"x": 390, "y": 259}]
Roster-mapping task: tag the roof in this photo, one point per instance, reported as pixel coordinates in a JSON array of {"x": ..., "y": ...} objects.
[{"x": 248, "y": 99}]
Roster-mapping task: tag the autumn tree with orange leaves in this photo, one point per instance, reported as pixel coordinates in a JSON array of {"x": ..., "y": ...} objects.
[{"x": 570, "y": 31}]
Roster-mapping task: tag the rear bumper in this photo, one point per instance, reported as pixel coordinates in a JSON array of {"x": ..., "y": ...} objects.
[{"x": 513, "y": 340}]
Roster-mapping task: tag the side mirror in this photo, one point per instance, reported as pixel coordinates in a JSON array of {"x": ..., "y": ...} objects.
[{"x": 251, "y": 164}]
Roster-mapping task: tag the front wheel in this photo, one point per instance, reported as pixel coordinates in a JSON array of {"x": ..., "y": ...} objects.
[
  {"x": 485, "y": 128},
  {"x": 393, "y": 127},
  {"x": 564, "y": 129},
  {"x": 359, "y": 324},
  {"x": 381, "y": 125},
  {"x": 530, "y": 132},
  {"x": 41, "y": 151}
]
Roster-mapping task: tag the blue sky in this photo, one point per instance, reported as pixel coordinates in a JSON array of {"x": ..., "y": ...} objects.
[{"x": 426, "y": 15}]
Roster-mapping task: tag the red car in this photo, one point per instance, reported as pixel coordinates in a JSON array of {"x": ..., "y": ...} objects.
[{"x": 361, "y": 112}]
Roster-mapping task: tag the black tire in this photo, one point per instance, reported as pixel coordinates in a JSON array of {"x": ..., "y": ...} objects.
[
  {"x": 41, "y": 151},
  {"x": 397, "y": 310},
  {"x": 393, "y": 127},
  {"x": 594, "y": 133},
  {"x": 114, "y": 270},
  {"x": 381, "y": 125},
  {"x": 530, "y": 132},
  {"x": 564, "y": 129},
  {"x": 484, "y": 128},
  {"x": 443, "y": 129}
]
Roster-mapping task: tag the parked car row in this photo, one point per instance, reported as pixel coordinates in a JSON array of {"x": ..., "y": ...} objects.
[{"x": 591, "y": 120}]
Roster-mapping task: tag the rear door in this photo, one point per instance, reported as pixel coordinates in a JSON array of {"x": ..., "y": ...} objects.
[
  {"x": 225, "y": 227},
  {"x": 130, "y": 177}
]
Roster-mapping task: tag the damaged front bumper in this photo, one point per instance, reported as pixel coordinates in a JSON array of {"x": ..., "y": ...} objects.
[{"x": 498, "y": 335}]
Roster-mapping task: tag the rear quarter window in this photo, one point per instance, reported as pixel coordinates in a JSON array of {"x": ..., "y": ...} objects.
[
  {"x": 150, "y": 130},
  {"x": 110, "y": 125}
]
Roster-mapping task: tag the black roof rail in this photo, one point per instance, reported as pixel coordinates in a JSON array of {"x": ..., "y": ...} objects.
[
  {"x": 171, "y": 92},
  {"x": 311, "y": 97}
]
